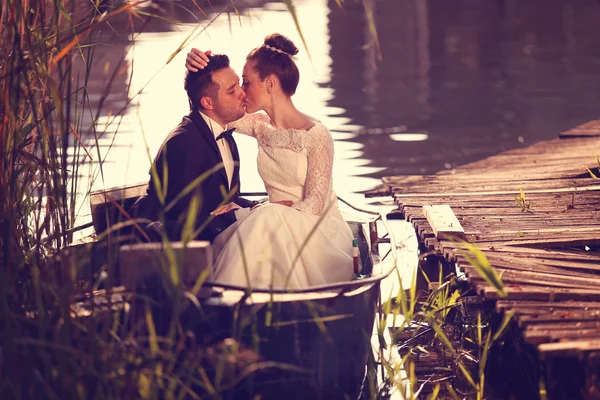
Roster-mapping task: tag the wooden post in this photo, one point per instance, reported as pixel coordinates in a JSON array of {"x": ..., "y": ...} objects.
[
  {"x": 141, "y": 261},
  {"x": 374, "y": 237},
  {"x": 107, "y": 205}
]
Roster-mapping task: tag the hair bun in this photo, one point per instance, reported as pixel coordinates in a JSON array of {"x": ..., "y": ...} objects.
[{"x": 282, "y": 43}]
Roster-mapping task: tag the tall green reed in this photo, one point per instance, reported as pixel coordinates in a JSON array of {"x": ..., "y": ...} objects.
[
  {"x": 47, "y": 348},
  {"x": 433, "y": 324}
]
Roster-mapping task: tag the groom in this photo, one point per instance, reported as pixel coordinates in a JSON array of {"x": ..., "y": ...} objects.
[{"x": 198, "y": 163}]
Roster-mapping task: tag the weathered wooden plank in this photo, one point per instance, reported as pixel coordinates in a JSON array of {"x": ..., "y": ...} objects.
[
  {"x": 432, "y": 244},
  {"x": 477, "y": 198},
  {"x": 554, "y": 258},
  {"x": 539, "y": 242},
  {"x": 571, "y": 186},
  {"x": 534, "y": 293},
  {"x": 537, "y": 278},
  {"x": 551, "y": 335},
  {"x": 559, "y": 316},
  {"x": 512, "y": 211},
  {"x": 521, "y": 311},
  {"x": 518, "y": 306},
  {"x": 588, "y": 129},
  {"x": 570, "y": 348},
  {"x": 555, "y": 208},
  {"x": 444, "y": 223},
  {"x": 529, "y": 265},
  {"x": 454, "y": 248},
  {"x": 558, "y": 254},
  {"x": 143, "y": 260},
  {"x": 534, "y": 325},
  {"x": 537, "y": 231},
  {"x": 530, "y": 281}
]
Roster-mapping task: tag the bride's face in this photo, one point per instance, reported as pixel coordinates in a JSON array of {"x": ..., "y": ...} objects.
[{"x": 256, "y": 93}]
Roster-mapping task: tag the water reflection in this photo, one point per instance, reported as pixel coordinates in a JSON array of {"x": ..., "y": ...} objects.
[{"x": 475, "y": 77}]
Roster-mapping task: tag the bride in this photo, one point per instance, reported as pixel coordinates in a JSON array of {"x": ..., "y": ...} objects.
[{"x": 299, "y": 238}]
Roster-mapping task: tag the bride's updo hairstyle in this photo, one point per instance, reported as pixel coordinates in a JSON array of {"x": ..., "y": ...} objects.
[{"x": 276, "y": 57}]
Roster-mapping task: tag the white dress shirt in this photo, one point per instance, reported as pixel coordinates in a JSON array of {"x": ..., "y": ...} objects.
[
  {"x": 225, "y": 151},
  {"x": 222, "y": 144}
]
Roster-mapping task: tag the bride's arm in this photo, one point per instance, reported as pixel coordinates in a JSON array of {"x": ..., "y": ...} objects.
[
  {"x": 317, "y": 188},
  {"x": 247, "y": 124}
]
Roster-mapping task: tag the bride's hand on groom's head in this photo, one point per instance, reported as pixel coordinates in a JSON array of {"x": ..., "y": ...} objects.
[
  {"x": 225, "y": 209},
  {"x": 197, "y": 59}
]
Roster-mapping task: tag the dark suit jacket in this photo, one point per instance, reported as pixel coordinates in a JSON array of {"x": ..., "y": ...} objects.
[{"x": 189, "y": 151}]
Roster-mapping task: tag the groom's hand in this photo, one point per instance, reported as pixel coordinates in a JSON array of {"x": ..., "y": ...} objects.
[
  {"x": 225, "y": 209},
  {"x": 197, "y": 59}
]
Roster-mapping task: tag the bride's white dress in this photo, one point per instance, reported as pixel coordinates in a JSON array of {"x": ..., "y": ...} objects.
[{"x": 281, "y": 247}]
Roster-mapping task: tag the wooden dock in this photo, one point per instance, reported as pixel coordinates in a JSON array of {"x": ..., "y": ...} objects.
[{"x": 535, "y": 214}]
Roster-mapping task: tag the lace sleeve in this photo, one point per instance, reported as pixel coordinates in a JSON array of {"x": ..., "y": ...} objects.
[
  {"x": 317, "y": 189},
  {"x": 247, "y": 124}
]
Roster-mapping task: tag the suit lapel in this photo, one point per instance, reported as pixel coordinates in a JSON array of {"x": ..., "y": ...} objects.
[
  {"x": 235, "y": 178},
  {"x": 210, "y": 138}
]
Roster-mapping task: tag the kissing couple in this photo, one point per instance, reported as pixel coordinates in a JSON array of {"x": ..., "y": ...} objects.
[{"x": 296, "y": 239}]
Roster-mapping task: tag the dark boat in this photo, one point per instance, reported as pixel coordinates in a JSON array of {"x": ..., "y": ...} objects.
[{"x": 323, "y": 332}]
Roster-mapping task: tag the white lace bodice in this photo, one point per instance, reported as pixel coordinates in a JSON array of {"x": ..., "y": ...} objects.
[{"x": 294, "y": 164}]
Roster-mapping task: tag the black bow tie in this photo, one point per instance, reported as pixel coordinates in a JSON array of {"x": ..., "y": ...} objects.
[{"x": 226, "y": 133}]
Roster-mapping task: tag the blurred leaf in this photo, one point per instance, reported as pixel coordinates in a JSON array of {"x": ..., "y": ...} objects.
[
  {"x": 505, "y": 321},
  {"x": 435, "y": 392},
  {"x": 542, "y": 388},
  {"x": 172, "y": 263},
  {"x": 591, "y": 173},
  {"x": 292, "y": 10},
  {"x": 370, "y": 14},
  {"x": 152, "y": 339},
  {"x": 144, "y": 385},
  {"x": 479, "y": 261},
  {"x": 190, "y": 219},
  {"x": 192, "y": 185},
  {"x": 452, "y": 392},
  {"x": 467, "y": 375},
  {"x": 440, "y": 333}
]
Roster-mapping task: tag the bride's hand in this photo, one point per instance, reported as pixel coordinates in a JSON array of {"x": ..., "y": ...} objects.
[
  {"x": 197, "y": 59},
  {"x": 225, "y": 209},
  {"x": 282, "y": 202}
]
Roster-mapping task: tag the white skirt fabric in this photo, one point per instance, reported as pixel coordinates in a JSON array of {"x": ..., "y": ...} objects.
[{"x": 279, "y": 247}]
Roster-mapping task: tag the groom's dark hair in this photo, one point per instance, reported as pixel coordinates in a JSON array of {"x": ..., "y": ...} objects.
[{"x": 199, "y": 84}]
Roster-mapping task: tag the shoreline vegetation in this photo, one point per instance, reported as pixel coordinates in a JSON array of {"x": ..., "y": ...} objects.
[{"x": 47, "y": 349}]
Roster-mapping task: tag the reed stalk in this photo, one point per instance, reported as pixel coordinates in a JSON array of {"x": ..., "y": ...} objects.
[{"x": 53, "y": 345}]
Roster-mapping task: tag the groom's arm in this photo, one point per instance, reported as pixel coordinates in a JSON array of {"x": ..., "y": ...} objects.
[{"x": 245, "y": 203}]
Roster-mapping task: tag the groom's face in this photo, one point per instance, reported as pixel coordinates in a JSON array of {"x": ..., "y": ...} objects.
[{"x": 228, "y": 103}]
